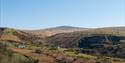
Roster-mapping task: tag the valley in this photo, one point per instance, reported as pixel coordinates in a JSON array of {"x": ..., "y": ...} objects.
[{"x": 64, "y": 44}]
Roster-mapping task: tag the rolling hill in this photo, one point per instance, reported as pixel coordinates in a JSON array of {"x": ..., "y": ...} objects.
[
  {"x": 102, "y": 41},
  {"x": 66, "y": 44},
  {"x": 14, "y": 35},
  {"x": 76, "y": 36},
  {"x": 55, "y": 30}
]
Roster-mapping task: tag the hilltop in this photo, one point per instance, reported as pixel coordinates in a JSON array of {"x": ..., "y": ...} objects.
[{"x": 55, "y": 30}]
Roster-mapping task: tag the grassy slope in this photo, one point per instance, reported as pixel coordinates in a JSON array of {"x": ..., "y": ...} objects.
[
  {"x": 72, "y": 40},
  {"x": 8, "y": 56},
  {"x": 17, "y": 36}
]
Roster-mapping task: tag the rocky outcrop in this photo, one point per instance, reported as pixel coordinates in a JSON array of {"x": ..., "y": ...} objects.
[{"x": 98, "y": 41}]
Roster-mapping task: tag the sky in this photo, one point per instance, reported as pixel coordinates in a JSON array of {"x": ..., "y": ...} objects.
[{"x": 37, "y": 14}]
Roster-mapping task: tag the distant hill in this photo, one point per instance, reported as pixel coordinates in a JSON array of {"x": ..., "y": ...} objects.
[
  {"x": 112, "y": 28},
  {"x": 55, "y": 30},
  {"x": 65, "y": 28}
]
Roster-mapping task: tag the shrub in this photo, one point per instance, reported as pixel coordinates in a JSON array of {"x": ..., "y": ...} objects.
[
  {"x": 52, "y": 48},
  {"x": 38, "y": 50}
]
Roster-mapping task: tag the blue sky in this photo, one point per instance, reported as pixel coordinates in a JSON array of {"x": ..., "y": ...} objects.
[{"x": 36, "y": 14}]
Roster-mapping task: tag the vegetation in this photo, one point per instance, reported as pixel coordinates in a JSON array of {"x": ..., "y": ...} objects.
[
  {"x": 8, "y": 56},
  {"x": 38, "y": 50},
  {"x": 95, "y": 46}
]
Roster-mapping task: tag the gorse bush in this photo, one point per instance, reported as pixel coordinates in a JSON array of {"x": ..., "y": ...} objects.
[{"x": 38, "y": 50}]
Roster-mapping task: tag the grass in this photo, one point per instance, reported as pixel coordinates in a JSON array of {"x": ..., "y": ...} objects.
[
  {"x": 86, "y": 56},
  {"x": 66, "y": 52},
  {"x": 8, "y": 56},
  {"x": 74, "y": 54}
]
